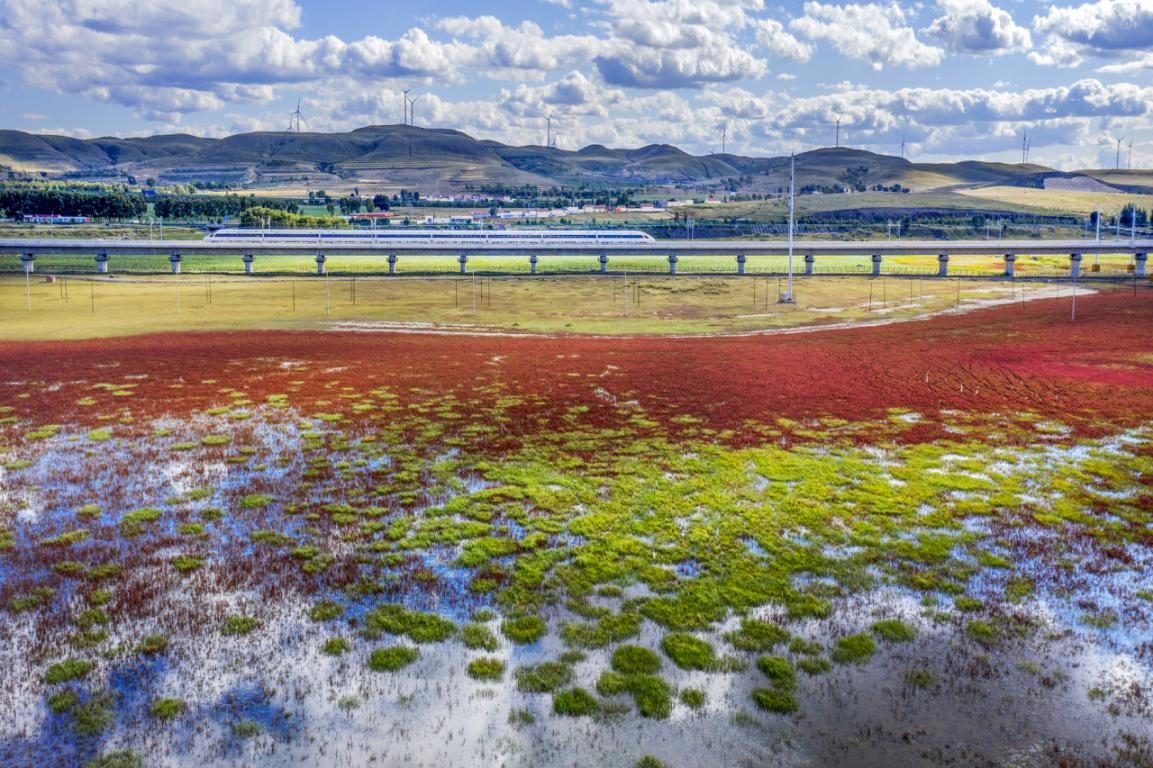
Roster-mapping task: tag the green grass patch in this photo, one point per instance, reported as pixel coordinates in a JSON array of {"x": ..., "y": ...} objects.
[
  {"x": 781, "y": 702},
  {"x": 853, "y": 649},
  {"x": 779, "y": 671},
  {"x": 153, "y": 644},
  {"x": 135, "y": 523},
  {"x": 63, "y": 701},
  {"x": 478, "y": 637},
  {"x": 635, "y": 660},
  {"x": 325, "y": 610},
  {"x": 757, "y": 636},
  {"x": 187, "y": 563},
  {"x": 31, "y": 600},
  {"x": 486, "y": 668},
  {"x": 69, "y": 669},
  {"x": 689, "y": 652},
  {"x": 545, "y": 677},
  {"x": 336, "y": 646},
  {"x": 166, "y": 709},
  {"x": 693, "y": 698},
  {"x": 121, "y": 758},
  {"x": 575, "y": 702},
  {"x": 894, "y": 630},
  {"x": 239, "y": 625},
  {"x": 420, "y": 627},
  {"x": 392, "y": 658},
  {"x": 523, "y": 630}
]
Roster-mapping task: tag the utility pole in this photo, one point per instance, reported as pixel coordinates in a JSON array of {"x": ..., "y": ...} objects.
[{"x": 788, "y": 297}]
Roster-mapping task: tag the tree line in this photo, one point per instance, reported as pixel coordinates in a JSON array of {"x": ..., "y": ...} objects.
[
  {"x": 187, "y": 207},
  {"x": 19, "y": 200}
]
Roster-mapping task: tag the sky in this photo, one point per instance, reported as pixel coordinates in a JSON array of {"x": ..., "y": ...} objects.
[{"x": 947, "y": 79}]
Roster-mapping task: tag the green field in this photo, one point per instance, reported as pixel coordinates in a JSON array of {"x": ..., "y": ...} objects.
[{"x": 303, "y": 264}]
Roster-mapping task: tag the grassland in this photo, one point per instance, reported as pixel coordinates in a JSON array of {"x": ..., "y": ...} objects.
[
  {"x": 1056, "y": 201},
  {"x": 605, "y": 305}
]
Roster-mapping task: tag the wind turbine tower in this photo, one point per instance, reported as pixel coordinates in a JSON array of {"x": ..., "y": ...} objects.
[
  {"x": 412, "y": 108},
  {"x": 548, "y": 130},
  {"x": 295, "y": 118},
  {"x": 404, "y": 100}
]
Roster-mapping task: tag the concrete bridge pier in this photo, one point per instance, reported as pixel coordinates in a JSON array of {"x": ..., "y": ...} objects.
[
  {"x": 463, "y": 259},
  {"x": 1139, "y": 264},
  {"x": 876, "y": 265},
  {"x": 672, "y": 263},
  {"x": 809, "y": 259},
  {"x": 943, "y": 265},
  {"x": 1074, "y": 265},
  {"x": 102, "y": 262},
  {"x": 248, "y": 258},
  {"x": 29, "y": 262},
  {"x": 392, "y": 263},
  {"x": 741, "y": 263},
  {"x": 604, "y": 263},
  {"x": 532, "y": 260},
  {"x": 320, "y": 264},
  {"x": 175, "y": 260},
  {"x": 1010, "y": 265}
]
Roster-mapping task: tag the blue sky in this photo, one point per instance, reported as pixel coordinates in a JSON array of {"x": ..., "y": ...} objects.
[{"x": 952, "y": 79}]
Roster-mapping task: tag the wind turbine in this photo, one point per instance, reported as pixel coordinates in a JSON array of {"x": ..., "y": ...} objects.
[
  {"x": 548, "y": 129},
  {"x": 412, "y": 108},
  {"x": 724, "y": 135},
  {"x": 837, "y": 145},
  {"x": 296, "y": 118},
  {"x": 404, "y": 99},
  {"x": 1129, "y": 165},
  {"x": 902, "y": 145},
  {"x": 1117, "y": 163}
]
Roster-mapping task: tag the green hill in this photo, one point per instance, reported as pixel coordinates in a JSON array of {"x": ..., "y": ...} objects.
[{"x": 439, "y": 160}]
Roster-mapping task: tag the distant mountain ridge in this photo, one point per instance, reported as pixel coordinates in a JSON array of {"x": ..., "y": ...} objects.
[{"x": 442, "y": 160}]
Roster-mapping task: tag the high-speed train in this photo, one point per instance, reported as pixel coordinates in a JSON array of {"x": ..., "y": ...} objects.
[{"x": 436, "y": 236}]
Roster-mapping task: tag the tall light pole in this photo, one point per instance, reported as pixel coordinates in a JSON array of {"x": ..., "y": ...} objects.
[{"x": 788, "y": 297}]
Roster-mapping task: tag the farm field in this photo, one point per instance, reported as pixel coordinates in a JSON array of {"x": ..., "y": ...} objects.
[{"x": 914, "y": 544}]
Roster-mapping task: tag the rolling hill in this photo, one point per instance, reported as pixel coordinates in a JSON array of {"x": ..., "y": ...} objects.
[{"x": 438, "y": 160}]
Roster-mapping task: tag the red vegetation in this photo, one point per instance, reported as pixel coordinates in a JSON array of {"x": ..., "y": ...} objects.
[{"x": 1091, "y": 373}]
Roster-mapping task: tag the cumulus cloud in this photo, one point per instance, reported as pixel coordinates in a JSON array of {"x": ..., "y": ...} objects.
[
  {"x": 574, "y": 94},
  {"x": 524, "y": 48},
  {"x": 672, "y": 44},
  {"x": 978, "y": 27},
  {"x": 1106, "y": 29},
  {"x": 878, "y": 34},
  {"x": 773, "y": 38}
]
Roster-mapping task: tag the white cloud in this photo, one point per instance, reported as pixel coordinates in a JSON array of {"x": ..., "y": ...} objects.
[
  {"x": 1106, "y": 29},
  {"x": 773, "y": 38},
  {"x": 673, "y": 44},
  {"x": 978, "y": 27},
  {"x": 878, "y": 34}
]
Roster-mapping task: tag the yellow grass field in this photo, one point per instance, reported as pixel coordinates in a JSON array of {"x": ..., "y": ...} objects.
[
  {"x": 98, "y": 307},
  {"x": 1059, "y": 201}
]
